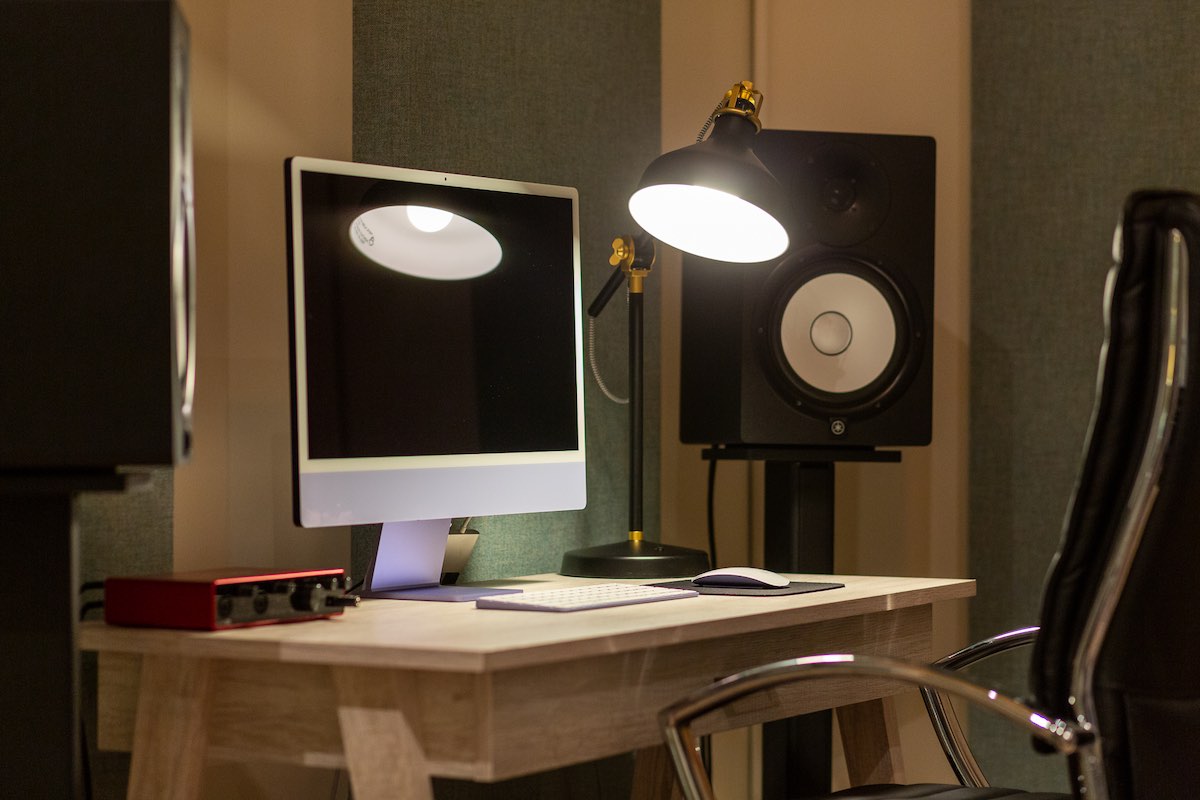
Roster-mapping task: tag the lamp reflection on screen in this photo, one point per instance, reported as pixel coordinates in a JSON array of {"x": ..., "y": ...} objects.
[{"x": 425, "y": 242}]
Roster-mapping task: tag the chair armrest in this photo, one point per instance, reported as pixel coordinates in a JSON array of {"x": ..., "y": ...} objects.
[
  {"x": 676, "y": 719},
  {"x": 986, "y": 648},
  {"x": 945, "y": 723}
]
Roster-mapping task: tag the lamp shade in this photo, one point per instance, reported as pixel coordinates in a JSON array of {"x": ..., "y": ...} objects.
[{"x": 715, "y": 199}]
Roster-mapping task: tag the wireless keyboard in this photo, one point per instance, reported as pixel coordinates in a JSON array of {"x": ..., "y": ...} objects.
[{"x": 578, "y": 598}]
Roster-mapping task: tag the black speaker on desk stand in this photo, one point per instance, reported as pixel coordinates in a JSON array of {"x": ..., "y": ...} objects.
[
  {"x": 95, "y": 312},
  {"x": 820, "y": 356},
  {"x": 826, "y": 353}
]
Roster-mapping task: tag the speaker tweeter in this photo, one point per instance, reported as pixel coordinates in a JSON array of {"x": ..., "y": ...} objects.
[{"x": 843, "y": 194}]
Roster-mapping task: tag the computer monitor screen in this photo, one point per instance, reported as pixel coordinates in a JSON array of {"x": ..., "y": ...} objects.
[{"x": 436, "y": 354}]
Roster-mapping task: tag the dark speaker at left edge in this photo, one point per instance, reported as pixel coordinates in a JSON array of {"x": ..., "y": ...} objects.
[{"x": 96, "y": 236}]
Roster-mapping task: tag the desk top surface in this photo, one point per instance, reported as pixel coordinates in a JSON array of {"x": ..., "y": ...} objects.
[{"x": 459, "y": 637}]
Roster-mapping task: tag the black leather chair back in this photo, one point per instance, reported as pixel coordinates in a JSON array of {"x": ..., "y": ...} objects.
[{"x": 1120, "y": 622}]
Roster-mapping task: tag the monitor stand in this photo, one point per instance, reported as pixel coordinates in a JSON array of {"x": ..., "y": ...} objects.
[{"x": 407, "y": 565}]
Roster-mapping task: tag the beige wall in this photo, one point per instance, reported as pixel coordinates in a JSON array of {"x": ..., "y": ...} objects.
[
  {"x": 841, "y": 65},
  {"x": 270, "y": 79}
]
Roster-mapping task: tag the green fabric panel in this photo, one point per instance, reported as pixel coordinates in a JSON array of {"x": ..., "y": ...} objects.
[
  {"x": 1074, "y": 105},
  {"x": 126, "y": 533},
  {"x": 544, "y": 91},
  {"x": 120, "y": 533}
]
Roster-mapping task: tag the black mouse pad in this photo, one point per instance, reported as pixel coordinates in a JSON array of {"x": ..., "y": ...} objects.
[{"x": 795, "y": 587}]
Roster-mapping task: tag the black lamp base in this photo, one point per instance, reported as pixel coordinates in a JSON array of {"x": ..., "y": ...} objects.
[{"x": 634, "y": 559}]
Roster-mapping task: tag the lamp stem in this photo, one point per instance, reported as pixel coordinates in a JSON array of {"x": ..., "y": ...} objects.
[
  {"x": 636, "y": 557},
  {"x": 635, "y": 412}
]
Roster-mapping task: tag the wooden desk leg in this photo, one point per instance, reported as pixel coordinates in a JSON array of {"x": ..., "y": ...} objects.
[
  {"x": 379, "y": 713},
  {"x": 871, "y": 741},
  {"x": 654, "y": 775},
  {"x": 170, "y": 734}
]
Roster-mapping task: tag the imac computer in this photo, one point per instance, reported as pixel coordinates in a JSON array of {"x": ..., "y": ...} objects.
[{"x": 436, "y": 357}]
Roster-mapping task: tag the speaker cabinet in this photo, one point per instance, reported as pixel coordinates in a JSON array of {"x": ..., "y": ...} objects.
[
  {"x": 96, "y": 266},
  {"x": 831, "y": 344}
]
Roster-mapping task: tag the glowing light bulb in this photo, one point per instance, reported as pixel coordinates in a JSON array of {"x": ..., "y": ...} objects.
[
  {"x": 708, "y": 223},
  {"x": 399, "y": 238},
  {"x": 430, "y": 220}
]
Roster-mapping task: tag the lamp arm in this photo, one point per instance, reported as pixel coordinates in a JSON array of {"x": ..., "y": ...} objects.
[
  {"x": 633, "y": 256},
  {"x": 610, "y": 288}
]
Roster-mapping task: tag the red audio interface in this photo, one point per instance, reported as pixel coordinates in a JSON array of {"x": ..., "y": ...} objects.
[{"x": 225, "y": 598}]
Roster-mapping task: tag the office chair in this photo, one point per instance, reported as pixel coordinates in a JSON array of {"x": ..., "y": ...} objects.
[{"x": 1115, "y": 668}]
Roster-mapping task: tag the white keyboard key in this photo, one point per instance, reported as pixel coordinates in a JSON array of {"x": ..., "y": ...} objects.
[{"x": 578, "y": 598}]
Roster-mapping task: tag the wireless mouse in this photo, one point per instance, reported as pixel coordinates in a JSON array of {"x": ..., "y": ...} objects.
[{"x": 741, "y": 578}]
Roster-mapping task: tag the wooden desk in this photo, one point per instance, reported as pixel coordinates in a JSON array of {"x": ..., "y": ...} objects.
[{"x": 398, "y": 691}]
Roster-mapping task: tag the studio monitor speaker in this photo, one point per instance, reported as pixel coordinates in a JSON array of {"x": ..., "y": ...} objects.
[
  {"x": 831, "y": 344},
  {"x": 95, "y": 235}
]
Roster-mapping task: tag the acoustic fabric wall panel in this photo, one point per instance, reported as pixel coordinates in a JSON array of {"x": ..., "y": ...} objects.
[
  {"x": 544, "y": 91},
  {"x": 1075, "y": 104}
]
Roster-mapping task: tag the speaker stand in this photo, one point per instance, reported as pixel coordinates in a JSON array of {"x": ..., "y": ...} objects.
[
  {"x": 798, "y": 504},
  {"x": 40, "y": 597}
]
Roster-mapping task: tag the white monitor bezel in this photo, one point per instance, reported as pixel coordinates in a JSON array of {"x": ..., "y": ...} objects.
[{"x": 348, "y": 491}]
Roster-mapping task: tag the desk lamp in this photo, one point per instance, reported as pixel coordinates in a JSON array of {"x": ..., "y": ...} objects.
[{"x": 713, "y": 199}]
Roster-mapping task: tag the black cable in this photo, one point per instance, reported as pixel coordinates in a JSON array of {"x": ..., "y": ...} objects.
[
  {"x": 337, "y": 784},
  {"x": 712, "y": 525},
  {"x": 89, "y": 585},
  {"x": 706, "y": 741},
  {"x": 85, "y": 759},
  {"x": 91, "y": 605}
]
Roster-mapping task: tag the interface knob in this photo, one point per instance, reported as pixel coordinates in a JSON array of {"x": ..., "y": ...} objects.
[{"x": 309, "y": 597}]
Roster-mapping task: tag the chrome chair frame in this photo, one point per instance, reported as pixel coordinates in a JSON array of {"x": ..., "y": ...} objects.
[
  {"x": 945, "y": 722},
  {"x": 1063, "y": 736},
  {"x": 1078, "y": 739}
]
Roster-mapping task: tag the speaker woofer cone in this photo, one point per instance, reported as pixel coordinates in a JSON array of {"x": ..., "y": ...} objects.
[{"x": 837, "y": 334}]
